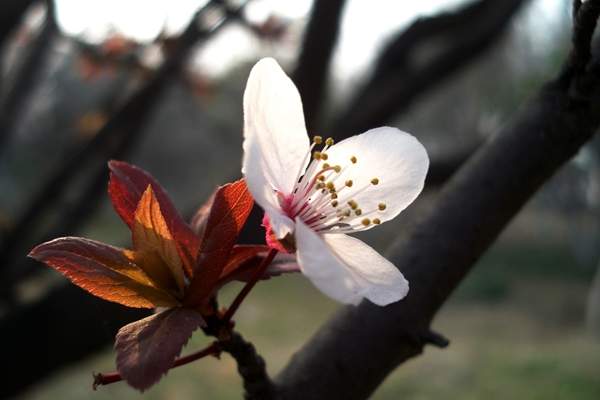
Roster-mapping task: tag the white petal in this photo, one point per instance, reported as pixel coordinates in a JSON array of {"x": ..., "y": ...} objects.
[
  {"x": 275, "y": 138},
  {"x": 396, "y": 158},
  {"x": 346, "y": 269}
]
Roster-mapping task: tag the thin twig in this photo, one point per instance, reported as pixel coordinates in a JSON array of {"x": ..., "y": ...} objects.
[
  {"x": 248, "y": 287},
  {"x": 214, "y": 349}
]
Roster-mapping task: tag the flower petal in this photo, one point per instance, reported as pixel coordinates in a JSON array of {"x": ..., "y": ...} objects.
[
  {"x": 397, "y": 159},
  {"x": 275, "y": 138},
  {"x": 346, "y": 269}
]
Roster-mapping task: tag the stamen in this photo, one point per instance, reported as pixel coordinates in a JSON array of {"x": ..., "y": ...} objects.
[
  {"x": 349, "y": 183},
  {"x": 375, "y": 181},
  {"x": 366, "y": 222},
  {"x": 330, "y": 186},
  {"x": 353, "y": 159},
  {"x": 334, "y": 196},
  {"x": 381, "y": 206},
  {"x": 325, "y": 166},
  {"x": 317, "y": 155},
  {"x": 358, "y": 212},
  {"x": 353, "y": 204},
  {"x": 334, "y": 203},
  {"x": 317, "y": 139},
  {"x": 329, "y": 141},
  {"x": 324, "y": 156},
  {"x": 337, "y": 168},
  {"x": 376, "y": 221},
  {"x": 321, "y": 178}
]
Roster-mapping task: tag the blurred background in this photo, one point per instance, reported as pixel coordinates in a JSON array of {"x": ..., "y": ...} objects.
[{"x": 159, "y": 83}]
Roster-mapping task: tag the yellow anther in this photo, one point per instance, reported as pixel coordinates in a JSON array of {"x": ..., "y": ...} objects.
[
  {"x": 325, "y": 165},
  {"x": 347, "y": 213},
  {"x": 353, "y": 204},
  {"x": 321, "y": 178},
  {"x": 330, "y": 186},
  {"x": 358, "y": 212},
  {"x": 317, "y": 155},
  {"x": 349, "y": 183},
  {"x": 329, "y": 141},
  {"x": 334, "y": 195},
  {"x": 337, "y": 168},
  {"x": 334, "y": 203},
  {"x": 376, "y": 221},
  {"x": 375, "y": 181},
  {"x": 324, "y": 156},
  {"x": 332, "y": 190},
  {"x": 320, "y": 185},
  {"x": 381, "y": 206},
  {"x": 353, "y": 159},
  {"x": 318, "y": 139},
  {"x": 366, "y": 222}
]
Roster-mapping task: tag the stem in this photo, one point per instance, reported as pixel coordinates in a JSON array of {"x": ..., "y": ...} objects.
[
  {"x": 249, "y": 285},
  {"x": 112, "y": 377}
]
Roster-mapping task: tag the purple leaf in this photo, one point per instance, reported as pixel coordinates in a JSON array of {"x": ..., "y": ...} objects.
[{"x": 146, "y": 349}]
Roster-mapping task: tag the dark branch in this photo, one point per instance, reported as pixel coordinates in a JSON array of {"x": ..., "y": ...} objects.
[
  {"x": 26, "y": 78},
  {"x": 400, "y": 78},
  {"x": 251, "y": 366},
  {"x": 471, "y": 211},
  {"x": 11, "y": 15},
  {"x": 312, "y": 67}
]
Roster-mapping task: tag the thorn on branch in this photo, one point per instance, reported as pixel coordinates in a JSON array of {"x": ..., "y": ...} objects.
[{"x": 435, "y": 339}]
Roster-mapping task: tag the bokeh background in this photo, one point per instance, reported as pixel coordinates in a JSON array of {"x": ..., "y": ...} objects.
[{"x": 86, "y": 81}]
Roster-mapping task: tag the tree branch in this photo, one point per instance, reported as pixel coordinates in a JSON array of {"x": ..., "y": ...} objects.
[
  {"x": 251, "y": 366},
  {"x": 399, "y": 78},
  {"x": 353, "y": 352},
  {"x": 312, "y": 67}
]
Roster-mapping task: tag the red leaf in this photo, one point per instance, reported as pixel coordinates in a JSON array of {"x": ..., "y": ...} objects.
[
  {"x": 244, "y": 259},
  {"x": 104, "y": 271},
  {"x": 241, "y": 258},
  {"x": 146, "y": 349},
  {"x": 126, "y": 186},
  {"x": 151, "y": 235},
  {"x": 230, "y": 207}
]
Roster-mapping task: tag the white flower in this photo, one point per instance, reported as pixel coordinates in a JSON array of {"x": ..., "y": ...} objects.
[{"x": 312, "y": 199}]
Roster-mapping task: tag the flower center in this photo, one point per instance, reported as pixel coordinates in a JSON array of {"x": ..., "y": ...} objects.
[{"x": 325, "y": 202}]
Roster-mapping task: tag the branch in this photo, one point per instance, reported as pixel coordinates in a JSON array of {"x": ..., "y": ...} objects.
[
  {"x": 353, "y": 352},
  {"x": 251, "y": 366},
  {"x": 26, "y": 78},
  {"x": 312, "y": 67},
  {"x": 399, "y": 80}
]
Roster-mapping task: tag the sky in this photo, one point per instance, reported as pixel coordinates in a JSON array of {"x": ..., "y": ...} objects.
[{"x": 365, "y": 25}]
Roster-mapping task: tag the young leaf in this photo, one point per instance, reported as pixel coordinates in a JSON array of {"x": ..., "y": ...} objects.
[
  {"x": 230, "y": 207},
  {"x": 126, "y": 186},
  {"x": 244, "y": 259},
  {"x": 104, "y": 271},
  {"x": 146, "y": 349},
  {"x": 151, "y": 234}
]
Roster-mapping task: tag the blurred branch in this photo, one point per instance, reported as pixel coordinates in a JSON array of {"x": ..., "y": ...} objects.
[
  {"x": 456, "y": 39},
  {"x": 312, "y": 68},
  {"x": 26, "y": 78},
  {"x": 114, "y": 140},
  {"x": 11, "y": 15},
  {"x": 472, "y": 210}
]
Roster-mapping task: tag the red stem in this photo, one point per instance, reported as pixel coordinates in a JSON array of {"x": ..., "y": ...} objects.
[
  {"x": 248, "y": 287},
  {"x": 112, "y": 377}
]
